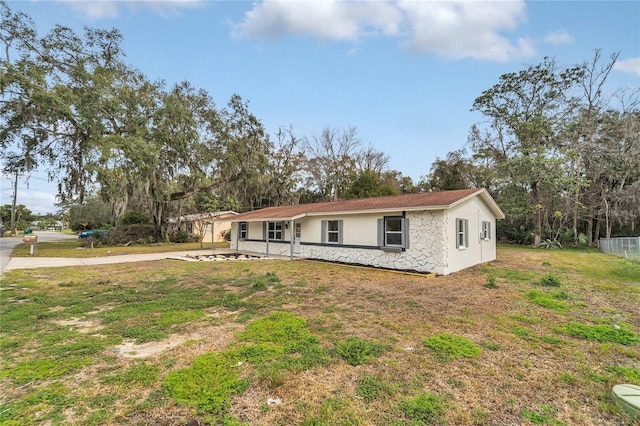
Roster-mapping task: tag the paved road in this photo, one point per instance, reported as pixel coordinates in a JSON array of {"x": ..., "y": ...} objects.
[{"x": 8, "y": 244}]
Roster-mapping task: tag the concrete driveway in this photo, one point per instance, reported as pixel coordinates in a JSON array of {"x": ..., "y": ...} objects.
[{"x": 7, "y": 245}]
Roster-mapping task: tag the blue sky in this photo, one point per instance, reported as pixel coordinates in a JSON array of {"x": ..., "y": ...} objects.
[{"x": 404, "y": 73}]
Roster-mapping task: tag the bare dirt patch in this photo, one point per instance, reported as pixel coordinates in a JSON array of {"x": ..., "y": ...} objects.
[{"x": 81, "y": 325}]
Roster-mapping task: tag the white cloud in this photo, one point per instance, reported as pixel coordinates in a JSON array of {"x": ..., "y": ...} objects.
[
  {"x": 455, "y": 28},
  {"x": 559, "y": 37},
  {"x": 330, "y": 19},
  {"x": 467, "y": 29},
  {"x": 631, "y": 66},
  {"x": 101, "y": 9}
]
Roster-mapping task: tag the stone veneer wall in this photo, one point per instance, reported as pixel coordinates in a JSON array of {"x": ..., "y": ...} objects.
[{"x": 426, "y": 251}]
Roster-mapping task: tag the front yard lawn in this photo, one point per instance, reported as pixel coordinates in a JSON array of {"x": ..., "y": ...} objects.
[{"x": 268, "y": 342}]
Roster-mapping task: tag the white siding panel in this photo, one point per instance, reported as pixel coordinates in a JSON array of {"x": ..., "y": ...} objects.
[{"x": 478, "y": 251}]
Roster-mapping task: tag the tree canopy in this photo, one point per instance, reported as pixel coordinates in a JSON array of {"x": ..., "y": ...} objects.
[{"x": 560, "y": 156}]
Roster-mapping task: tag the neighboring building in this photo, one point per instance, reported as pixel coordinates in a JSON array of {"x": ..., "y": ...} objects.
[
  {"x": 48, "y": 225},
  {"x": 436, "y": 232},
  {"x": 194, "y": 223}
]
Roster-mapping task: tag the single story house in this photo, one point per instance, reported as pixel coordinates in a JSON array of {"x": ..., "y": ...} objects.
[
  {"x": 434, "y": 232},
  {"x": 204, "y": 223}
]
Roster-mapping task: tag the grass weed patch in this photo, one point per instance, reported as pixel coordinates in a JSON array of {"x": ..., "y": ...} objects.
[
  {"x": 44, "y": 369},
  {"x": 371, "y": 388},
  {"x": 279, "y": 344},
  {"x": 357, "y": 351},
  {"x": 549, "y": 280},
  {"x": 552, "y": 300},
  {"x": 544, "y": 415},
  {"x": 630, "y": 374},
  {"x": 448, "y": 347},
  {"x": 207, "y": 384},
  {"x": 427, "y": 408},
  {"x": 491, "y": 281},
  {"x": 138, "y": 375},
  {"x": 601, "y": 333}
]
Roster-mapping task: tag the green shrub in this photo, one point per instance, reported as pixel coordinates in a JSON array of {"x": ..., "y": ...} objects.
[
  {"x": 550, "y": 244},
  {"x": 181, "y": 237},
  {"x": 134, "y": 233},
  {"x": 427, "y": 408},
  {"x": 357, "y": 351},
  {"x": 601, "y": 333},
  {"x": 135, "y": 217},
  {"x": 449, "y": 347},
  {"x": 208, "y": 384}
]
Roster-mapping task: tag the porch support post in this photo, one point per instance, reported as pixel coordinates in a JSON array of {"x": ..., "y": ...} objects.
[
  {"x": 292, "y": 234},
  {"x": 267, "y": 239},
  {"x": 237, "y": 236}
]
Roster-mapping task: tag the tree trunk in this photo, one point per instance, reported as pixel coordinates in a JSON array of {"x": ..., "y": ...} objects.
[
  {"x": 537, "y": 233},
  {"x": 13, "y": 206}
]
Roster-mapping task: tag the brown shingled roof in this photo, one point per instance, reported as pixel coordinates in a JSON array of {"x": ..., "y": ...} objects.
[{"x": 423, "y": 201}]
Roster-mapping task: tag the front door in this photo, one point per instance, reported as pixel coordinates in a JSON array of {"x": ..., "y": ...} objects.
[{"x": 296, "y": 239}]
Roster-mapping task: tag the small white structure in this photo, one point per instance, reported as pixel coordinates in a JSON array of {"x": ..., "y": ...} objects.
[{"x": 435, "y": 232}]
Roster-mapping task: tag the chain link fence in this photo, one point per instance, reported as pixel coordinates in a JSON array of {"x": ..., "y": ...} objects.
[{"x": 627, "y": 247}]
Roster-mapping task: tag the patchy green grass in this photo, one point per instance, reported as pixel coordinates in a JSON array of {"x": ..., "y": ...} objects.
[
  {"x": 371, "y": 388},
  {"x": 212, "y": 342},
  {"x": 427, "y": 408},
  {"x": 543, "y": 415},
  {"x": 601, "y": 333},
  {"x": 447, "y": 347},
  {"x": 551, "y": 300},
  {"x": 357, "y": 351}
]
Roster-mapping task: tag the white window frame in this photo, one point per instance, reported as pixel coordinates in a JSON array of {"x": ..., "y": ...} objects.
[
  {"x": 243, "y": 230},
  {"x": 486, "y": 230},
  {"x": 462, "y": 234},
  {"x": 384, "y": 233},
  {"x": 331, "y": 231},
  {"x": 275, "y": 231},
  {"x": 395, "y": 233}
]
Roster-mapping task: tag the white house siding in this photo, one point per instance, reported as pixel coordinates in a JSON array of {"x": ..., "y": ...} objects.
[
  {"x": 426, "y": 251},
  {"x": 479, "y": 251}
]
